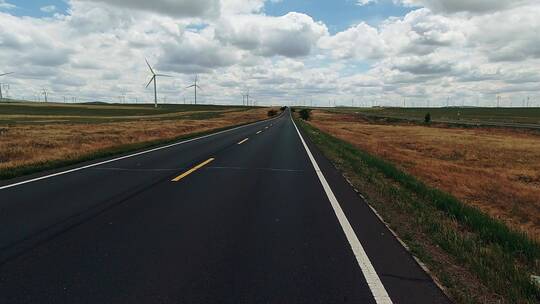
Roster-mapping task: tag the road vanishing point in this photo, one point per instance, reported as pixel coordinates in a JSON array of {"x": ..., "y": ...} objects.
[{"x": 254, "y": 214}]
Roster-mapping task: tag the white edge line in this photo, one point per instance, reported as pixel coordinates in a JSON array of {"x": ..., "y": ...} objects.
[
  {"x": 396, "y": 236},
  {"x": 128, "y": 156},
  {"x": 374, "y": 282}
]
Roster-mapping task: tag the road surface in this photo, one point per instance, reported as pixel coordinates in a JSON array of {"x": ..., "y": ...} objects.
[{"x": 251, "y": 215}]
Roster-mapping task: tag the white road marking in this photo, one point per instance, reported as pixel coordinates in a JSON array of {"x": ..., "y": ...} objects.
[
  {"x": 124, "y": 157},
  {"x": 374, "y": 282},
  {"x": 243, "y": 141},
  {"x": 259, "y": 132}
]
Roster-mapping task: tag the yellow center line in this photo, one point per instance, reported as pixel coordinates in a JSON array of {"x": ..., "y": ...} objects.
[
  {"x": 259, "y": 132},
  {"x": 206, "y": 162},
  {"x": 243, "y": 141}
]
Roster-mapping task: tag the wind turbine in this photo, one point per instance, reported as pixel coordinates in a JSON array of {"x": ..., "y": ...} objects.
[
  {"x": 195, "y": 85},
  {"x": 154, "y": 76},
  {"x": 247, "y": 98},
  {"x": 45, "y": 94},
  {"x": 4, "y": 74}
]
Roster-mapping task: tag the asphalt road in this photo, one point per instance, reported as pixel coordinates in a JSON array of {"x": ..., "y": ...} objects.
[{"x": 220, "y": 219}]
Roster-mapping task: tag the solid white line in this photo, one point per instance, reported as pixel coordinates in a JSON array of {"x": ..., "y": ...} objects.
[
  {"x": 259, "y": 132},
  {"x": 374, "y": 282},
  {"x": 126, "y": 156}
]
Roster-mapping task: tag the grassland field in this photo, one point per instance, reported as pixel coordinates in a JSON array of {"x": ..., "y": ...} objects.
[
  {"x": 518, "y": 116},
  {"x": 32, "y": 112}
]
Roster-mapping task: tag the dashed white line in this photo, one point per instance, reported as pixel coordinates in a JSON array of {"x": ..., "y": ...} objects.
[{"x": 243, "y": 141}]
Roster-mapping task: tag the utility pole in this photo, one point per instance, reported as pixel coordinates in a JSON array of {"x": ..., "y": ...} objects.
[{"x": 1, "y": 96}]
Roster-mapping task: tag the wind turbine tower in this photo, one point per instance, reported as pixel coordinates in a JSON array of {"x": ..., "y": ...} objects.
[
  {"x": 247, "y": 98},
  {"x": 154, "y": 77},
  {"x": 195, "y": 86},
  {"x": 4, "y": 74},
  {"x": 45, "y": 94}
]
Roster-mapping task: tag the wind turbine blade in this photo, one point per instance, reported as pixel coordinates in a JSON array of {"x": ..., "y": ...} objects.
[
  {"x": 163, "y": 75},
  {"x": 151, "y": 79},
  {"x": 199, "y": 87},
  {"x": 6, "y": 74},
  {"x": 151, "y": 70},
  {"x": 191, "y": 86}
]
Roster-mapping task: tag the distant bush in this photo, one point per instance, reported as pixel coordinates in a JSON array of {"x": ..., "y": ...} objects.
[
  {"x": 272, "y": 113},
  {"x": 283, "y": 109},
  {"x": 427, "y": 118},
  {"x": 293, "y": 110},
  {"x": 305, "y": 114}
]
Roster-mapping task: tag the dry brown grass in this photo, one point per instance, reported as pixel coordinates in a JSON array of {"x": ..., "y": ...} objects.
[
  {"x": 496, "y": 170},
  {"x": 31, "y": 144}
]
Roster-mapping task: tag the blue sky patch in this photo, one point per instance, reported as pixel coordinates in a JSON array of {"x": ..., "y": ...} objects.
[
  {"x": 37, "y": 8},
  {"x": 338, "y": 15}
]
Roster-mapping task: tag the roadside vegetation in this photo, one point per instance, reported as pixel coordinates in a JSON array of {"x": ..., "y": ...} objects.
[
  {"x": 41, "y": 137},
  {"x": 305, "y": 114},
  {"x": 272, "y": 113},
  {"x": 496, "y": 170},
  {"x": 475, "y": 255},
  {"x": 464, "y": 115}
]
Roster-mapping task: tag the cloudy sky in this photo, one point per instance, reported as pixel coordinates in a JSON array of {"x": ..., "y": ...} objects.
[{"x": 366, "y": 52}]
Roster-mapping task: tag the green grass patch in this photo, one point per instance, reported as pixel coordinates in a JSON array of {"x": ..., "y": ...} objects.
[
  {"x": 38, "y": 113},
  {"x": 501, "y": 259},
  {"x": 111, "y": 110},
  {"x": 455, "y": 114}
]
